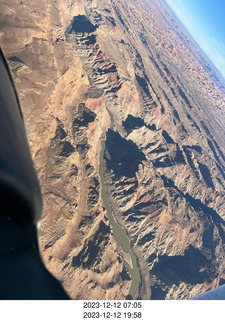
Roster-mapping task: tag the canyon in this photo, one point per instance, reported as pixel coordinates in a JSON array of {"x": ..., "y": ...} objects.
[{"x": 125, "y": 73}]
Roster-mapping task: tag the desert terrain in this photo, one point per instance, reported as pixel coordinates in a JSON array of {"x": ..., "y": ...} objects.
[{"x": 127, "y": 73}]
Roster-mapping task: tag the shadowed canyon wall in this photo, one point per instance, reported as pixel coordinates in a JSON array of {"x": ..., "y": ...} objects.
[{"x": 127, "y": 73}]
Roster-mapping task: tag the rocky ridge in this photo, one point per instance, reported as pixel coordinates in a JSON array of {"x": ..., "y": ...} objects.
[
  {"x": 65, "y": 126},
  {"x": 164, "y": 159}
]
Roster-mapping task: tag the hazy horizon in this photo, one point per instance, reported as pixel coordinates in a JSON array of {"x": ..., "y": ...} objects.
[{"x": 204, "y": 20}]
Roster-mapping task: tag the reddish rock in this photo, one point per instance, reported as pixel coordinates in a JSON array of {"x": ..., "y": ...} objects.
[{"x": 165, "y": 155}]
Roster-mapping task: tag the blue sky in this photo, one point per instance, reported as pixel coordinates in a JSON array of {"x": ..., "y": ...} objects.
[{"x": 205, "y": 21}]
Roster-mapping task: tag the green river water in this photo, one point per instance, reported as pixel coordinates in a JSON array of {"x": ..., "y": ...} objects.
[{"x": 119, "y": 232}]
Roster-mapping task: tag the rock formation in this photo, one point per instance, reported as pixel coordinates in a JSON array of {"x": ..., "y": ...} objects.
[{"x": 125, "y": 72}]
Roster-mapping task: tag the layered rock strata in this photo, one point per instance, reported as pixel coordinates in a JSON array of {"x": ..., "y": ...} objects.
[{"x": 81, "y": 66}]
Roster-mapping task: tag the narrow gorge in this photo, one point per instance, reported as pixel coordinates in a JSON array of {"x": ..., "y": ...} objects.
[{"x": 126, "y": 123}]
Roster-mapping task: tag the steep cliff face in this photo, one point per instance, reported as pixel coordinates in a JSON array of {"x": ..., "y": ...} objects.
[
  {"x": 66, "y": 118},
  {"x": 126, "y": 72}
]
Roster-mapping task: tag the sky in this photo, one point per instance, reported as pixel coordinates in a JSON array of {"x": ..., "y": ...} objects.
[{"x": 205, "y": 21}]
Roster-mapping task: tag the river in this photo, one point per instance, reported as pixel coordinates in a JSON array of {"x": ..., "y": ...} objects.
[{"x": 119, "y": 232}]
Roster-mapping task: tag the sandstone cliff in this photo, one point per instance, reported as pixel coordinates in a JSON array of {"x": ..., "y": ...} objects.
[{"x": 126, "y": 72}]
